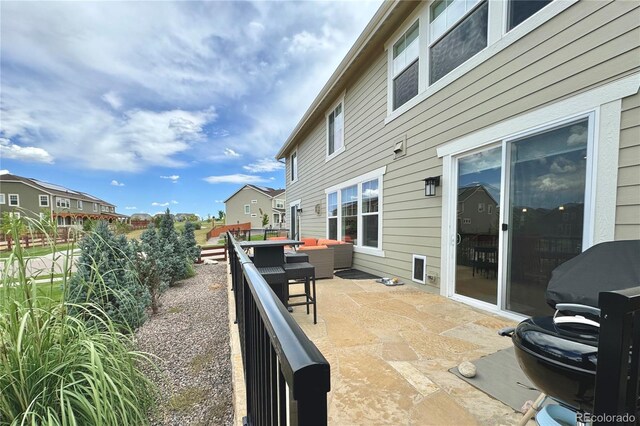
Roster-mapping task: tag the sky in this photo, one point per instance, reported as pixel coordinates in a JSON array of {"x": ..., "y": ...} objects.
[{"x": 156, "y": 104}]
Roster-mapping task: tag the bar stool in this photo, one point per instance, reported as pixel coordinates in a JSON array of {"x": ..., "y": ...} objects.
[
  {"x": 306, "y": 271},
  {"x": 296, "y": 257},
  {"x": 276, "y": 277}
]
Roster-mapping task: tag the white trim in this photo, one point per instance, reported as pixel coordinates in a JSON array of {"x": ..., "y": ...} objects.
[
  {"x": 254, "y": 201},
  {"x": 533, "y": 22},
  {"x": 40, "y": 200},
  {"x": 2, "y": 199},
  {"x": 340, "y": 150},
  {"x": 574, "y": 106},
  {"x": 353, "y": 181},
  {"x": 424, "y": 268},
  {"x": 296, "y": 203},
  {"x": 254, "y": 215},
  {"x": 489, "y": 307},
  {"x": 17, "y": 198},
  {"x": 95, "y": 207},
  {"x": 79, "y": 205},
  {"x": 294, "y": 176},
  {"x": 247, "y": 209}
]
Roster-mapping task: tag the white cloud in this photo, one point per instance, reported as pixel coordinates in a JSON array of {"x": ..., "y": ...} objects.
[
  {"x": 155, "y": 203},
  {"x": 32, "y": 154},
  {"x": 113, "y": 99},
  {"x": 4, "y": 172},
  {"x": 264, "y": 165},
  {"x": 230, "y": 153},
  {"x": 173, "y": 178},
  {"x": 218, "y": 201},
  {"x": 236, "y": 178},
  {"x": 116, "y": 183},
  {"x": 131, "y": 208},
  {"x": 174, "y": 202}
]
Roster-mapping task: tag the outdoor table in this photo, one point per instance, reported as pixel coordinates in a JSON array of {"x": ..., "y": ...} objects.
[{"x": 268, "y": 252}]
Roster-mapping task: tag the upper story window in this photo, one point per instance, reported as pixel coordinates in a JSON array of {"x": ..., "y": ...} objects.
[
  {"x": 43, "y": 200},
  {"x": 14, "y": 200},
  {"x": 406, "y": 66},
  {"x": 519, "y": 10},
  {"x": 2, "y": 200},
  {"x": 462, "y": 38},
  {"x": 279, "y": 204},
  {"x": 63, "y": 202},
  {"x": 79, "y": 204},
  {"x": 335, "y": 130},
  {"x": 294, "y": 166},
  {"x": 95, "y": 207},
  {"x": 247, "y": 209}
]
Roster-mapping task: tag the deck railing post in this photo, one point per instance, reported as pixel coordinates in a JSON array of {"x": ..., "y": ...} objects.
[{"x": 616, "y": 391}]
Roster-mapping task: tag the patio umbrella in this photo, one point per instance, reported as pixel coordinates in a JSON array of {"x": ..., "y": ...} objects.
[{"x": 613, "y": 265}]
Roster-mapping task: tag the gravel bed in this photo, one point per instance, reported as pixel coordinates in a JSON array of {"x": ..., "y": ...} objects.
[{"x": 190, "y": 335}]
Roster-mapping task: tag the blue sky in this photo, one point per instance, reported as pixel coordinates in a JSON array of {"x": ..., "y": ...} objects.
[{"x": 151, "y": 105}]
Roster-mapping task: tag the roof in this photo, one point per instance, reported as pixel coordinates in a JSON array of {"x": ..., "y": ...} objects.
[
  {"x": 269, "y": 192},
  {"x": 53, "y": 189},
  {"x": 380, "y": 28}
]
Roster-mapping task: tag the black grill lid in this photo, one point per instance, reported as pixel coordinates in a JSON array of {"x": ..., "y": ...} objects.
[{"x": 613, "y": 265}]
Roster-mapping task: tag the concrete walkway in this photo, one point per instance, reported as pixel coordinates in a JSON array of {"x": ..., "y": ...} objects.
[
  {"x": 43, "y": 265},
  {"x": 390, "y": 349}
]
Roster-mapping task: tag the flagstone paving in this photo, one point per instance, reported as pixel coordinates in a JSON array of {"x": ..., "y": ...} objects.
[{"x": 390, "y": 349}]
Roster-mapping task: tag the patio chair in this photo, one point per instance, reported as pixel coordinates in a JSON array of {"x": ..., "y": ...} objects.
[{"x": 303, "y": 271}]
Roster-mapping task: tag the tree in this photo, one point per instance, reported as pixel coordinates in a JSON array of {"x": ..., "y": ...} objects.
[
  {"x": 173, "y": 259},
  {"x": 107, "y": 278},
  {"x": 264, "y": 217},
  {"x": 221, "y": 215},
  {"x": 148, "y": 256},
  {"x": 189, "y": 244}
]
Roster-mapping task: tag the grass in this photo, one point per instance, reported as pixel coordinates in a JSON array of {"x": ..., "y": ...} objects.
[
  {"x": 57, "y": 368},
  {"x": 200, "y": 362},
  {"x": 201, "y": 234},
  {"x": 174, "y": 310},
  {"x": 39, "y": 251},
  {"x": 185, "y": 399}
]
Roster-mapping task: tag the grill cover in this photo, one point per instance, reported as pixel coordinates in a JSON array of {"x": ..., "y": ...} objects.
[{"x": 613, "y": 265}]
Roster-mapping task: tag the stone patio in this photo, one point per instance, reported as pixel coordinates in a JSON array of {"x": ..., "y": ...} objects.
[{"x": 390, "y": 349}]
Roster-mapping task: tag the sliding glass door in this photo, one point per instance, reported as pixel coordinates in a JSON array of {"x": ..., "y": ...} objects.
[{"x": 539, "y": 180}]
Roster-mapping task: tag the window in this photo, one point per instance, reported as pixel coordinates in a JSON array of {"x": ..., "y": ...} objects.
[
  {"x": 63, "y": 203},
  {"x": 406, "y": 66},
  {"x": 254, "y": 215},
  {"x": 95, "y": 207},
  {"x": 335, "y": 130},
  {"x": 354, "y": 212},
  {"x": 43, "y": 200},
  {"x": 462, "y": 41},
  {"x": 14, "y": 214},
  {"x": 466, "y": 221},
  {"x": 489, "y": 209},
  {"x": 276, "y": 218},
  {"x": 519, "y": 10},
  {"x": 14, "y": 200},
  {"x": 79, "y": 204},
  {"x": 332, "y": 216},
  {"x": 294, "y": 166},
  {"x": 279, "y": 204},
  {"x": 254, "y": 201},
  {"x": 480, "y": 207},
  {"x": 60, "y": 220},
  {"x": 2, "y": 200},
  {"x": 247, "y": 209}
]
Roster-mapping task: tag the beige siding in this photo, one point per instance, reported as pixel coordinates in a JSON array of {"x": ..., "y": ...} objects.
[
  {"x": 589, "y": 44},
  {"x": 628, "y": 197},
  {"x": 28, "y": 198},
  {"x": 235, "y": 207}
]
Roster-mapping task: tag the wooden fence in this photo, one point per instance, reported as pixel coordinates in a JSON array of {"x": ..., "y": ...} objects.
[
  {"x": 39, "y": 240},
  {"x": 214, "y": 253}
]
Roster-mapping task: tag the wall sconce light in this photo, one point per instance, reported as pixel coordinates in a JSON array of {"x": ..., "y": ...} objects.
[
  {"x": 430, "y": 185},
  {"x": 299, "y": 210}
]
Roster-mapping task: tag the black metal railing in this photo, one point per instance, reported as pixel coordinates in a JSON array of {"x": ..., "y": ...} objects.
[
  {"x": 617, "y": 386},
  {"x": 287, "y": 378}
]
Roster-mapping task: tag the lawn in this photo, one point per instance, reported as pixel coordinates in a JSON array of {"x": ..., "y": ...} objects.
[
  {"x": 201, "y": 234},
  {"x": 51, "y": 290},
  {"x": 39, "y": 251}
]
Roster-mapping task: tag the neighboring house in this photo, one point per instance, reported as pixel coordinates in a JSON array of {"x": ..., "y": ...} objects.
[
  {"x": 537, "y": 99},
  {"x": 22, "y": 196},
  {"x": 478, "y": 211},
  {"x": 249, "y": 203},
  {"x": 181, "y": 217},
  {"x": 139, "y": 220}
]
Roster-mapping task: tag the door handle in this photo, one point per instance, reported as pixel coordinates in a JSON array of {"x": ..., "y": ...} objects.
[{"x": 505, "y": 227}]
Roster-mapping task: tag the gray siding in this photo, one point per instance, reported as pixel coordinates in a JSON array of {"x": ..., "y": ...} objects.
[
  {"x": 628, "y": 196},
  {"x": 589, "y": 44},
  {"x": 28, "y": 198},
  {"x": 234, "y": 208}
]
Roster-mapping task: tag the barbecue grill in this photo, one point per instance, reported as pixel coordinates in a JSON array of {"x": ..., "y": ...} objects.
[{"x": 560, "y": 353}]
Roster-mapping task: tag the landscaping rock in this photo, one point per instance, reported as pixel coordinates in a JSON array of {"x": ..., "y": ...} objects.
[
  {"x": 210, "y": 262},
  {"x": 190, "y": 335},
  {"x": 467, "y": 369}
]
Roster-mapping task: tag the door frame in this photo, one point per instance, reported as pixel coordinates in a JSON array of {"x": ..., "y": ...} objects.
[
  {"x": 297, "y": 204},
  {"x": 604, "y": 105}
]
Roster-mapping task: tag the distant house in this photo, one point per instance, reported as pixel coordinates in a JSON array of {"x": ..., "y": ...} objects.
[
  {"x": 140, "y": 220},
  {"x": 21, "y": 196},
  {"x": 249, "y": 203},
  {"x": 181, "y": 217}
]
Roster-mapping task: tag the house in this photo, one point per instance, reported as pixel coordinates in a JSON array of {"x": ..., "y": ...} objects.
[
  {"x": 250, "y": 203},
  {"x": 537, "y": 100},
  {"x": 181, "y": 217},
  {"x": 33, "y": 198},
  {"x": 140, "y": 220}
]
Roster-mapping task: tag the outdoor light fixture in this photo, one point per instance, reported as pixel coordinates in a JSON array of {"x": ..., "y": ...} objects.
[
  {"x": 299, "y": 210},
  {"x": 430, "y": 185}
]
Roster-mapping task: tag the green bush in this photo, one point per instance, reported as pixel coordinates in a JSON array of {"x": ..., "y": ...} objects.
[
  {"x": 56, "y": 368},
  {"x": 106, "y": 277},
  {"x": 148, "y": 257},
  {"x": 172, "y": 258},
  {"x": 189, "y": 245}
]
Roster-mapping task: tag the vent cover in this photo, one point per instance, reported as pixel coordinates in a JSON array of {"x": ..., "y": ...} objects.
[{"x": 419, "y": 268}]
